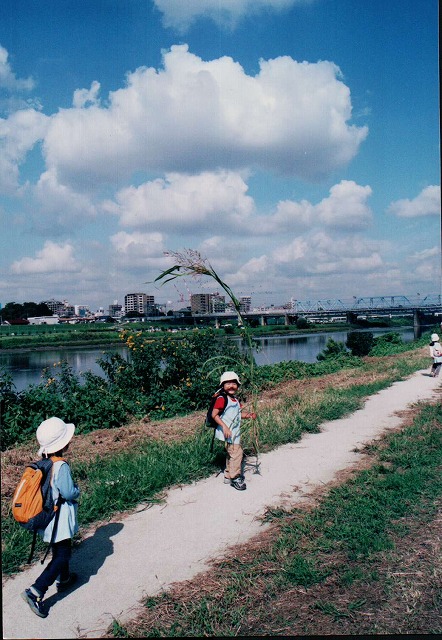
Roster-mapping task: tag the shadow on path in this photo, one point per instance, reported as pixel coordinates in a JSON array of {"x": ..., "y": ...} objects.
[{"x": 89, "y": 557}]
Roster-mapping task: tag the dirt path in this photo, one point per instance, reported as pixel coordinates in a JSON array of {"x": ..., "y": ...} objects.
[{"x": 142, "y": 554}]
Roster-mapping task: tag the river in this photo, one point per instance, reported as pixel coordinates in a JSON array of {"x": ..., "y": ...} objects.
[{"x": 26, "y": 367}]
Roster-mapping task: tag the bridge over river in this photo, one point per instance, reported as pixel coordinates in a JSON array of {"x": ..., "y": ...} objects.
[{"x": 330, "y": 310}]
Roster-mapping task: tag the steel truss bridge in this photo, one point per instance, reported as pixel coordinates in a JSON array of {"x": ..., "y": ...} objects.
[
  {"x": 369, "y": 304},
  {"x": 351, "y": 309}
]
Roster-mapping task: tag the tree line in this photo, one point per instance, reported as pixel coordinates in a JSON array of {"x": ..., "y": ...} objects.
[{"x": 16, "y": 311}]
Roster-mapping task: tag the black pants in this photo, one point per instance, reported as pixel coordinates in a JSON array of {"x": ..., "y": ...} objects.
[
  {"x": 58, "y": 567},
  {"x": 435, "y": 368}
]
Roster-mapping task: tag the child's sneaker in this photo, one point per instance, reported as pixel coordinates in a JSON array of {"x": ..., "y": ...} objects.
[
  {"x": 226, "y": 480},
  {"x": 63, "y": 585},
  {"x": 35, "y": 603},
  {"x": 238, "y": 483}
]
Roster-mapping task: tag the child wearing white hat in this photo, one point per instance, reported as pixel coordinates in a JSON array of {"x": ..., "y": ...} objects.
[
  {"x": 228, "y": 418},
  {"x": 54, "y": 436},
  {"x": 436, "y": 354}
]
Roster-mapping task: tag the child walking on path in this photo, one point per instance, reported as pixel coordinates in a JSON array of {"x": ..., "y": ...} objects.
[
  {"x": 436, "y": 354},
  {"x": 53, "y": 436},
  {"x": 228, "y": 418}
]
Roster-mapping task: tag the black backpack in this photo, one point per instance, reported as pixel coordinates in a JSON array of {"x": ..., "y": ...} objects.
[{"x": 210, "y": 422}]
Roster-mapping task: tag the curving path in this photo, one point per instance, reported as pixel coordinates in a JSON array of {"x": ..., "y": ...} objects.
[{"x": 123, "y": 561}]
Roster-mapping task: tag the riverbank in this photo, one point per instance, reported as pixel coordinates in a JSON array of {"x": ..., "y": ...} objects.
[
  {"x": 36, "y": 338},
  {"x": 27, "y": 366},
  {"x": 109, "y": 548}
]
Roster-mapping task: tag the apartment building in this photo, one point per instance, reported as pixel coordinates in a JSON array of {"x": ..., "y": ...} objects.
[
  {"x": 207, "y": 303},
  {"x": 245, "y": 304},
  {"x": 116, "y": 310},
  {"x": 56, "y": 306},
  {"x": 59, "y": 308},
  {"x": 140, "y": 302}
]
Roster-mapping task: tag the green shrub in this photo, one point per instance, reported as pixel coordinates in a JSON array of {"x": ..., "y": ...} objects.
[
  {"x": 332, "y": 350},
  {"x": 387, "y": 344},
  {"x": 359, "y": 342},
  {"x": 163, "y": 377},
  {"x": 302, "y": 323}
]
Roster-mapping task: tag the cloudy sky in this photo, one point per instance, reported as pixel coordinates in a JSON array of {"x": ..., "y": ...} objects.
[{"x": 294, "y": 143}]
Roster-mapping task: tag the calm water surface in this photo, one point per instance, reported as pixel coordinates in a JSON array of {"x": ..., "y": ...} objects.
[{"x": 26, "y": 367}]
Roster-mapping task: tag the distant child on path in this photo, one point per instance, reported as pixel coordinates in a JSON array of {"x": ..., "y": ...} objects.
[
  {"x": 436, "y": 354},
  {"x": 54, "y": 436},
  {"x": 228, "y": 419}
]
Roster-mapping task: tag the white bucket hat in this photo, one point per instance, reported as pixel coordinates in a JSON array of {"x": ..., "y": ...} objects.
[
  {"x": 228, "y": 376},
  {"x": 434, "y": 337},
  {"x": 53, "y": 435}
]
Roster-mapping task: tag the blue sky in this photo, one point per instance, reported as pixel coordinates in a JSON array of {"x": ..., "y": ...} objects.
[{"x": 294, "y": 143}]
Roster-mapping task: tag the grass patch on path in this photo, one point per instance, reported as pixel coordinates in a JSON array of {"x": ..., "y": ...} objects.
[{"x": 342, "y": 567}]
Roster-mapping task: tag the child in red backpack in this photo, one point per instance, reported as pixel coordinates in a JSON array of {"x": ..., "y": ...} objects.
[
  {"x": 228, "y": 418},
  {"x": 53, "y": 436}
]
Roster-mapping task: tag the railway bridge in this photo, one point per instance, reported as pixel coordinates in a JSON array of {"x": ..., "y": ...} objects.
[{"x": 350, "y": 310}]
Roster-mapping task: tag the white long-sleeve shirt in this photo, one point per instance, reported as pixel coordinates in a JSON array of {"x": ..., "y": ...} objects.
[
  {"x": 62, "y": 484},
  {"x": 436, "y": 347}
]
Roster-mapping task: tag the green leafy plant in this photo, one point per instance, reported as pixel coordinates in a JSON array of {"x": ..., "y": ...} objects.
[
  {"x": 387, "y": 344},
  {"x": 360, "y": 342},
  {"x": 332, "y": 350}
]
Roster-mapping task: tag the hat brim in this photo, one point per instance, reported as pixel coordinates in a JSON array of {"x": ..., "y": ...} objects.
[{"x": 61, "y": 443}]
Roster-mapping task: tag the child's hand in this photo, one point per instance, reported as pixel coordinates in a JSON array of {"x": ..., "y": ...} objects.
[
  {"x": 251, "y": 416},
  {"x": 227, "y": 433}
]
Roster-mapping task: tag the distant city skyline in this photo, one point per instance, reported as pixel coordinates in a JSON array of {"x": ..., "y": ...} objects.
[
  {"x": 294, "y": 143},
  {"x": 397, "y": 300}
]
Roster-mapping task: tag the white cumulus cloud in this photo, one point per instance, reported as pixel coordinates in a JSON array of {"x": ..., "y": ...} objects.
[
  {"x": 320, "y": 253},
  {"x": 18, "y": 135},
  {"x": 61, "y": 202},
  {"x": 85, "y": 97},
  {"x": 53, "y": 258},
  {"x": 180, "y": 14},
  {"x": 8, "y": 79},
  {"x": 181, "y": 202},
  {"x": 344, "y": 209},
  {"x": 427, "y": 203},
  {"x": 135, "y": 250},
  {"x": 194, "y": 115},
  {"x": 346, "y": 206}
]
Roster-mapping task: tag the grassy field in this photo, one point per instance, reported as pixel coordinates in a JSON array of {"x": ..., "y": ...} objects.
[
  {"x": 59, "y": 335},
  {"x": 365, "y": 559}
]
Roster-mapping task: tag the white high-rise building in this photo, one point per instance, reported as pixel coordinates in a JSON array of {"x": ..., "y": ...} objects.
[{"x": 139, "y": 302}]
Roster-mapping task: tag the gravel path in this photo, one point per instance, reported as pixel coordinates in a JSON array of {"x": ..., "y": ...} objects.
[{"x": 142, "y": 554}]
